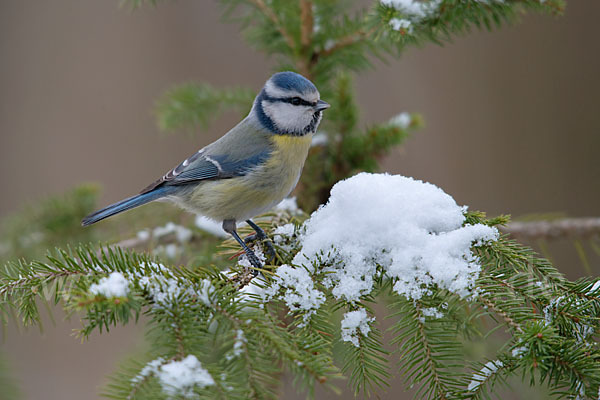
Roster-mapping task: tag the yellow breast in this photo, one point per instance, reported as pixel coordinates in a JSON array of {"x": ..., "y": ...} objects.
[
  {"x": 292, "y": 149},
  {"x": 260, "y": 189},
  {"x": 282, "y": 170}
]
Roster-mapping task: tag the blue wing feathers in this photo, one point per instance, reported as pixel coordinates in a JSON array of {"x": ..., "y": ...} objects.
[
  {"x": 206, "y": 170},
  {"x": 241, "y": 167},
  {"x": 126, "y": 204},
  {"x": 199, "y": 169}
]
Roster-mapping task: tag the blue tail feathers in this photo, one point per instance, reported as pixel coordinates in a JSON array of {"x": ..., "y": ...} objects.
[{"x": 126, "y": 204}]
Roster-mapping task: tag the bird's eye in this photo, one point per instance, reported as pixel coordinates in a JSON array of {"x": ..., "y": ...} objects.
[{"x": 296, "y": 101}]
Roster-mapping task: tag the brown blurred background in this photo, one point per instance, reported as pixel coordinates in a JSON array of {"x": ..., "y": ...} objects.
[{"x": 512, "y": 119}]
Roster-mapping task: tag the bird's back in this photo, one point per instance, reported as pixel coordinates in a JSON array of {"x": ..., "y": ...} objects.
[{"x": 246, "y": 139}]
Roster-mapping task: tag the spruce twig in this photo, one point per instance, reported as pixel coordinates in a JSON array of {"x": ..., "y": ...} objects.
[{"x": 549, "y": 230}]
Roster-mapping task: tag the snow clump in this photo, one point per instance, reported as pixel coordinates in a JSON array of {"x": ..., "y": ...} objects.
[
  {"x": 284, "y": 231},
  {"x": 298, "y": 289},
  {"x": 403, "y": 25},
  {"x": 181, "y": 377},
  {"x": 353, "y": 322},
  {"x": 412, "y": 229},
  {"x": 177, "y": 378},
  {"x": 114, "y": 285}
]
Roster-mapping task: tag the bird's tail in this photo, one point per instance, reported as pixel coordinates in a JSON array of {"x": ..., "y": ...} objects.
[{"x": 126, "y": 204}]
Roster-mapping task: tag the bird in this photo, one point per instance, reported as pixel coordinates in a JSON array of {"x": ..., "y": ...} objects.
[{"x": 248, "y": 170}]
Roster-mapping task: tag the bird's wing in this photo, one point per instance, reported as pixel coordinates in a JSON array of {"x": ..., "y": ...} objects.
[{"x": 203, "y": 167}]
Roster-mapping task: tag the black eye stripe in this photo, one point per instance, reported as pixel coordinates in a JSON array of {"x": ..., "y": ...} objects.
[
  {"x": 296, "y": 101},
  {"x": 288, "y": 100}
]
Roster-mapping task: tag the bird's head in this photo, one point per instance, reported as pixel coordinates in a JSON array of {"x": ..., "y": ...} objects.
[{"x": 289, "y": 104}]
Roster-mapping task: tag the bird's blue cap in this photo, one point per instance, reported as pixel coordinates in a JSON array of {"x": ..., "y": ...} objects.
[{"x": 289, "y": 80}]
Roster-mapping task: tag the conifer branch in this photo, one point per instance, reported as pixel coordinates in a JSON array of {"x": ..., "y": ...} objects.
[
  {"x": 293, "y": 355},
  {"x": 567, "y": 227},
  {"x": 33, "y": 282},
  {"x": 366, "y": 364},
  {"x": 505, "y": 316},
  {"x": 484, "y": 377},
  {"x": 514, "y": 256},
  {"x": 348, "y": 40},
  {"x": 306, "y": 30},
  {"x": 178, "y": 335},
  {"x": 135, "y": 387},
  {"x": 428, "y": 348},
  {"x": 441, "y": 392},
  {"x": 307, "y": 22},
  {"x": 272, "y": 16}
]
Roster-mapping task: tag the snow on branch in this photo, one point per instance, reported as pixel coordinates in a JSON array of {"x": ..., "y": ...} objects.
[{"x": 410, "y": 228}]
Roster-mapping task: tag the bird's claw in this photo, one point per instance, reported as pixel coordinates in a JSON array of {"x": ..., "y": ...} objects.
[
  {"x": 266, "y": 242},
  {"x": 251, "y": 238}
]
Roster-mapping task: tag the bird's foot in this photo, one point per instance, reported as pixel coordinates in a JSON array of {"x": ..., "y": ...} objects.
[
  {"x": 255, "y": 264},
  {"x": 266, "y": 242}
]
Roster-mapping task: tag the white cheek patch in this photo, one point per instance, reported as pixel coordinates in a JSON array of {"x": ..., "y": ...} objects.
[{"x": 287, "y": 117}]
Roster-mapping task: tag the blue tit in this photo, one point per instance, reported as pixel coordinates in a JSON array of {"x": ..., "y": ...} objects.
[{"x": 250, "y": 169}]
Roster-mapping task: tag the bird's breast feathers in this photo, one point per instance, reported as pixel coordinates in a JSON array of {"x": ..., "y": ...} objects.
[
  {"x": 259, "y": 189},
  {"x": 291, "y": 148},
  {"x": 281, "y": 170}
]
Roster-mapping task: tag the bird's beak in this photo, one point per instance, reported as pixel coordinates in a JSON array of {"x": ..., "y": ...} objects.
[{"x": 322, "y": 105}]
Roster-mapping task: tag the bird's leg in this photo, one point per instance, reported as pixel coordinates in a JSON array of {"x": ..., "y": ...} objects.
[
  {"x": 229, "y": 227},
  {"x": 262, "y": 236}
]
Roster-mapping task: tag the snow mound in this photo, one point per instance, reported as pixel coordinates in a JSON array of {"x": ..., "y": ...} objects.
[{"x": 411, "y": 229}]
